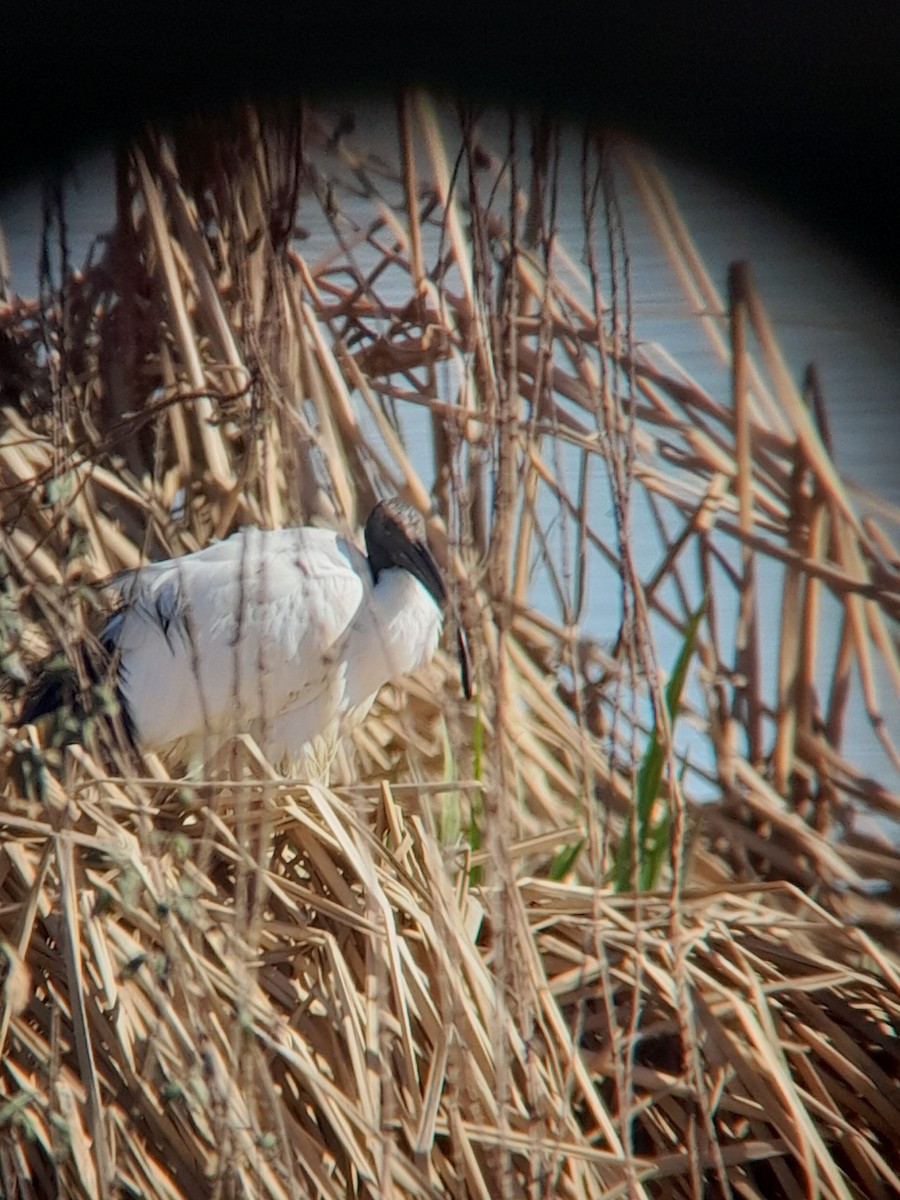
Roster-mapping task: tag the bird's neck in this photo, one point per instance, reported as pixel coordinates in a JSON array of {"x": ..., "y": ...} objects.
[{"x": 393, "y": 634}]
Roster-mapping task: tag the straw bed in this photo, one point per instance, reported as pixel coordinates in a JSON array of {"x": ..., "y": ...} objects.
[{"x": 330, "y": 1020}]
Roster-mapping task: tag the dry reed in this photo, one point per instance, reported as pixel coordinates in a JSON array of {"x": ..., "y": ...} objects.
[{"x": 254, "y": 987}]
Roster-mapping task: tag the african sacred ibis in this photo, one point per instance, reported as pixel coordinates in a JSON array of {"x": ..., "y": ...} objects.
[{"x": 284, "y": 634}]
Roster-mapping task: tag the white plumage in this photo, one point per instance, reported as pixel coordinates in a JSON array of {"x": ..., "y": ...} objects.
[{"x": 285, "y": 634}]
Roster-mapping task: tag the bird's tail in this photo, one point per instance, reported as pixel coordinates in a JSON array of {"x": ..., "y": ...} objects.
[
  {"x": 72, "y": 689},
  {"x": 55, "y": 688}
]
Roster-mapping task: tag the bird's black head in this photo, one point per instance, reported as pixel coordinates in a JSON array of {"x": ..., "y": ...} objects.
[{"x": 395, "y": 537}]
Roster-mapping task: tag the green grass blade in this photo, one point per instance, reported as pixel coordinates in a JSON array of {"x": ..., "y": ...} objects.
[
  {"x": 653, "y": 842},
  {"x": 565, "y": 860}
]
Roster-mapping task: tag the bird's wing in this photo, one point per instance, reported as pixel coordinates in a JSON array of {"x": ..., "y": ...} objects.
[{"x": 242, "y": 631}]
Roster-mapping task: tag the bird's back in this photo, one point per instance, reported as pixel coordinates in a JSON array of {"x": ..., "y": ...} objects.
[{"x": 237, "y": 635}]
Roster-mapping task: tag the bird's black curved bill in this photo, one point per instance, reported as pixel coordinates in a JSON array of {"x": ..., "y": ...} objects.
[{"x": 465, "y": 661}]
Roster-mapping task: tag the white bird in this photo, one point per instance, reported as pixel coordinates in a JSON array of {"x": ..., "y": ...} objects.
[{"x": 284, "y": 634}]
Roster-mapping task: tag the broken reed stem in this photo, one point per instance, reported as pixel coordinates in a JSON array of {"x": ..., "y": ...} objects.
[
  {"x": 747, "y": 640},
  {"x": 209, "y": 436},
  {"x": 795, "y": 410},
  {"x": 792, "y": 632}
]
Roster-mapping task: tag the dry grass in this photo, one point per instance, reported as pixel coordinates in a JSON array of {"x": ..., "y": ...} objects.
[{"x": 257, "y": 988}]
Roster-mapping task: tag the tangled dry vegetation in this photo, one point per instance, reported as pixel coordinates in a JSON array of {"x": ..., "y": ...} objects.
[{"x": 419, "y": 982}]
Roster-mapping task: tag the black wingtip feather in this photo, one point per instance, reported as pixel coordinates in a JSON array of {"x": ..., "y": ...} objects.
[
  {"x": 45, "y": 696},
  {"x": 56, "y": 689}
]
